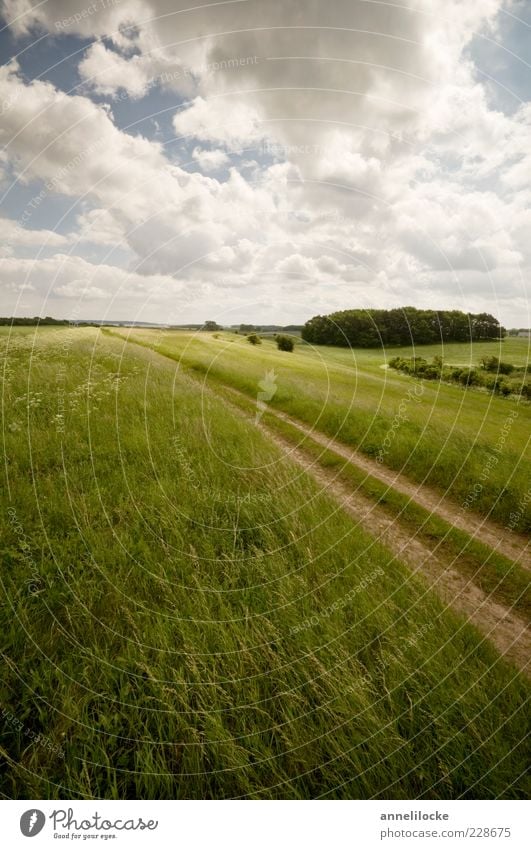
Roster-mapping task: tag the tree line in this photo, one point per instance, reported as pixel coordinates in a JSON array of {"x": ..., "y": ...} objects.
[
  {"x": 403, "y": 326},
  {"x": 30, "y": 322}
]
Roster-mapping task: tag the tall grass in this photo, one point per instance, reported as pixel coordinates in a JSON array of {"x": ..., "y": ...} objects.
[
  {"x": 470, "y": 445},
  {"x": 185, "y": 615}
]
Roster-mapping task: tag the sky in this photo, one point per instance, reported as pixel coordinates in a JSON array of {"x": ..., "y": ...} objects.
[{"x": 264, "y": 160}]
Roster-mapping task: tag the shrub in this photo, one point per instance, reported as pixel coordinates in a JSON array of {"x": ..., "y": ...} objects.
[
  {"x": 431, "y": 373},
  {"x": 254, "y": 339},
  {"x": 418, "y": 364},
  {"x": 489, "y": 363},
  {"x": 285, "y": 343},
  {"x": 494, "y": 364},
  {"x": 492, "y": 383},
  {"x": 469, "y": 377}
]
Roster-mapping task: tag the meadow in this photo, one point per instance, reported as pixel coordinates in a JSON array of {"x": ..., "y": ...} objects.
[
  {"x": 446, "y": 438},
  {"x": 186, "y": 614}
]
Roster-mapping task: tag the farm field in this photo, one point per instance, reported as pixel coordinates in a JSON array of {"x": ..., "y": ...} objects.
[{"x": 189, "y": 613}]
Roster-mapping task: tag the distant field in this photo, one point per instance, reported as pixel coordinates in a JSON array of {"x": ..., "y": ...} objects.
[
  {"x": 511, "y": 349},
  {"x": 186, "y": 616},
  {"x": 448, "y": 439}
]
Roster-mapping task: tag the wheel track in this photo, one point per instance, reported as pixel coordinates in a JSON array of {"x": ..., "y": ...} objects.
[
  {"x": 507, "y": 631},
  {"x": 514, "y": 546}
]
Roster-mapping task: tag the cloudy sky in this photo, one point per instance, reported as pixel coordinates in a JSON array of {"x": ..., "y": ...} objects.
[{"x": 264, "y": 160}]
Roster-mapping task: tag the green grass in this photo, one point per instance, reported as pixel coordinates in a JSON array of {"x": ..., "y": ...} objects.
[
  {"x": 453, "y": 439},
  {"x": 511, "y": 349},
  {"x": 498, "y": 576},
  {"x": 185, "y": 616}
]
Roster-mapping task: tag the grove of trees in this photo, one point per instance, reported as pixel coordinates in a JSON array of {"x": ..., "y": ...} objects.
[{"x": 403, "y": 326}]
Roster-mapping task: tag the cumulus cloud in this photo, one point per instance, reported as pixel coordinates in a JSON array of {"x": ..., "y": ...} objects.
[
  {"x": 210, "y": 160},
  {"x": 106, "y": 72},
  {"x": 371, "y": 154},
  {"x": 207, "y": 120},
  {"x": 16, "y": 235},
  {"x": 75, "y": 17},
  {"x": 70, "y": 281}
]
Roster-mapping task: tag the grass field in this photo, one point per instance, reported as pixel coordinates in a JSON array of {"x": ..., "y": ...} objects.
[
  {"x": 186, "y": 616},
  {"x": 447, "y": 435}
]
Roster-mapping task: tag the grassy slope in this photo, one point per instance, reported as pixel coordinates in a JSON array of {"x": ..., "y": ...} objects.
[
  {"x": 447, "y": 440},
  {"x": 159, "y": 573}
]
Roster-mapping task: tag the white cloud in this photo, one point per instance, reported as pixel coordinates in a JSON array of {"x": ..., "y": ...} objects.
[
  {"x": 210, "y": 160},
  {"x": 75, "y": 16},
  {"x": 106, "y": 72},
  {"x": 62, "y": 278},
  {"x": 390, "y": 167},
  {"x": 100, "y": 227},
  {"x": 209, "y": 120},
  {"x": 69, "y": 142},
  {"x": 15, "y": 235}
]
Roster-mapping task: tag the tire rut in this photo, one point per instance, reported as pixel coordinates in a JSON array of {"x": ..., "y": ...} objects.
[
  {"x": 506, "y": 630},
  {"x": 514, "y": 546}
]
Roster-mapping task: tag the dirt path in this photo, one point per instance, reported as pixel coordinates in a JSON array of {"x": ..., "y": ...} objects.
[
  {"x": 513, "y": 545},
  {"x": 505, "y": 629}
]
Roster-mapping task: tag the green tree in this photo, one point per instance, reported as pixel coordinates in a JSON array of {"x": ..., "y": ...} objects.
[
  {"x": 285, "y": 343},
  {"x": 402, "y": 326}
]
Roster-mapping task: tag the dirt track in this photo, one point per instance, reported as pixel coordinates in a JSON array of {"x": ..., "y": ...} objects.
[
  {"x": 513, "y": 545},
  {"x": 506, "y": 630}
]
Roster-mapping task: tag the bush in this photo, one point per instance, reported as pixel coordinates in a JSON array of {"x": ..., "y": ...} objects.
[
  {"x": 469, "y": 377},
  {"x": 254, "y": 339},
  {"x": 489, "y": 363},
  {"x": 402, "y": 364},
  {"x": 451, "y": 374},
  {"x": 492, "y": 381},
  {"x": 494, "y": 364},
  {"x": 285, "y": 343},
  {"x": 431, "y": 373},
  {"x": 418, "y": 366}
]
